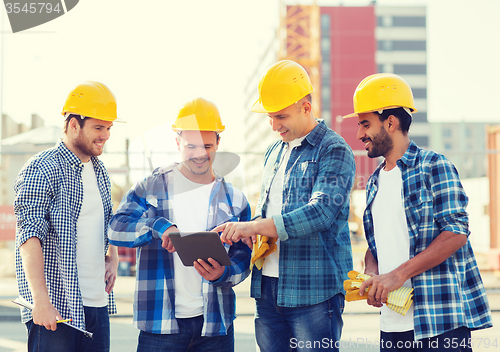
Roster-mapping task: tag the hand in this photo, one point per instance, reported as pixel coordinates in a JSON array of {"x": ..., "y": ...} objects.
[
  {"x": 165, "y": 240},
  {"x": 381, "y": 286},
  {"x": 46, "y": 314},
  {"x": 210, "y": 271},
  {"x": 111, "y": 271},
  {"x": 249, "y": 241},
  {"x": 234, "y": 231}
]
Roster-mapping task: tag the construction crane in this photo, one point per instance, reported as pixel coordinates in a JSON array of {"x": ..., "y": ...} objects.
[{"x": 299, "y": 40}]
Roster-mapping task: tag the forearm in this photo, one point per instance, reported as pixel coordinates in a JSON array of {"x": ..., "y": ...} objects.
[
  {"x": 438, "y": 251},
  {"x": 112, "y": 252},
  {"x": 371, "y": 264},
  {"x": 33, "y": 265},
  {"x": 126, "y": 230},
  {"x": 264, "y": 227}
]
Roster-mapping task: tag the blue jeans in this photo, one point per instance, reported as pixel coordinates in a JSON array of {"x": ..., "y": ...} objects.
[
  {"x": 452, "y": 341},
  {"x": 66, "y": 338},
  {"x": 310, "y": 328},
  {"x": 188, "y": 339}
]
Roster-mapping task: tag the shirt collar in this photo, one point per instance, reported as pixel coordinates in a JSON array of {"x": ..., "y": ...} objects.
[
  {"x": 315, "y": 135},
  {"x": 170, "y": 168},
  {"x": 409, "y": 158},
  {"x": 70, "y": 157}
]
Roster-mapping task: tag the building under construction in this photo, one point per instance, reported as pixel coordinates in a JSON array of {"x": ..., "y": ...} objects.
[{"x": 341, "y": 45}]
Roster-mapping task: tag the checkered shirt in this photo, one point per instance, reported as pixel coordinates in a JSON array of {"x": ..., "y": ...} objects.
[
  {"x": 315, "y": 245},
  {"x": 141, "y": 219},
  {"x": 451, "y": 294},
  {"x": 49, "y": 196}
]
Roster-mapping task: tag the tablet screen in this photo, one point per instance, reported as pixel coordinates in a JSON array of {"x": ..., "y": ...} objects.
[{"x": 192, "y": 246}]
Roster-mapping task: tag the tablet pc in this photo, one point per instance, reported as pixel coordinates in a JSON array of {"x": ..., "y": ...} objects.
[{"x": 192, "y": 246}]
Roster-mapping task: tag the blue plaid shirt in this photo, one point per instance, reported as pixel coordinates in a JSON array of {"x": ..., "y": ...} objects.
[
  {"x": 451, "y": 294},
  {"x": 315, "y": 245},
  {"x": 140, "y": 221},
  {"x": 49, "y": 196}
]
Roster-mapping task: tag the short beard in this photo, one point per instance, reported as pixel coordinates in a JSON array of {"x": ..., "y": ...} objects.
[
  {"x": 381, "y": 144},
  {"x": 85, "y": 145}
]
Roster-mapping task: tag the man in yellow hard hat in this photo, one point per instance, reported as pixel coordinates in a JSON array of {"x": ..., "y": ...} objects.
[
  {"x": 416, "y": 226},
  {"x": 302, "y": 212},
  {"x": 181, "y": 307},
  {"x": 64, "y": 265}
]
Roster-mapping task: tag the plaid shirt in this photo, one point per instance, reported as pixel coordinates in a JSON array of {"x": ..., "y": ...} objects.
[
  {"x": 315, "y": 245},
  {"x": 140, "y": 221},
  {"x": 451, "y": 294},
  {"x": 49, "y": 196}
]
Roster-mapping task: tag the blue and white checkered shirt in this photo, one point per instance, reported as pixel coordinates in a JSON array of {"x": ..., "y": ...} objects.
[
  {"x": 451, "y": 294},
  {"x": 141, "y": 219},
  {"x": 49, "y": 196},
  {"x": 315, "y": 245}
]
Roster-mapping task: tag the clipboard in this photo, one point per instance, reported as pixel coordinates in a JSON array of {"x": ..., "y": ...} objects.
[
  {"x": 192, "y": 246},
  {"x": 20, "y": 301}
]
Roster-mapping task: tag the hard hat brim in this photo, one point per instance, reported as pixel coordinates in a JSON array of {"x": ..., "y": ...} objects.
[
  {"x": 257, "y": 107},
  {"x": 356, "y": 114},
  {"x": 350, "y": 115},
  {"x": 109, "y": 119}
]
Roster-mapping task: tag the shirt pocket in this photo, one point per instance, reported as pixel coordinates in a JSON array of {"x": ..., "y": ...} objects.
[
  {"x": 418, "y": 207},
  {"x": 305, "y": 174}
]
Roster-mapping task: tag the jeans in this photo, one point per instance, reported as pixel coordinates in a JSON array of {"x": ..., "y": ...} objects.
[
  {"x": 188, "y": 339},
  {"x": 453, "y": 341},
  {"x": 311, "y": 328},
  {"x": 65, "y": 338}
]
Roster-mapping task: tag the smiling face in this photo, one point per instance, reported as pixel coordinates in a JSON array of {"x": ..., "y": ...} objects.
[
  {"x": 89, "y": 140},
  {"x": 372, "y": 132},
  {"x": 197, "y": 150},
  {"x": 293, "y": 121}
]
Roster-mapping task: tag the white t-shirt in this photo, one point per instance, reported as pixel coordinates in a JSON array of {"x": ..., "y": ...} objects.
[
  {"x": 190, "y": 213},
  {"x": 274, "y": 205},
  {"x": 392, "y": 240},
  {"x": 90, "y": 242}
]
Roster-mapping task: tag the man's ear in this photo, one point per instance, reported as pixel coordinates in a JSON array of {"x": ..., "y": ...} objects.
[
  {"x": 393, "y": 123},
  {"x": 177, "y": 141},
  {"x": 73, "y": 125},
  {"x": 306, "y": 105}
]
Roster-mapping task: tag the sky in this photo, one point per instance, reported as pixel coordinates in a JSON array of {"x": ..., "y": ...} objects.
[{"x": 158, "y": 54}]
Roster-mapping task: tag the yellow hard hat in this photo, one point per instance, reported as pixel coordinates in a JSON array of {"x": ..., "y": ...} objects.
[
  {"x": 283, "y": 84},
  {"x": 382, "y": 91},
  {"x": 91, "y": 99},
  {"x": 198, "y": 115}
]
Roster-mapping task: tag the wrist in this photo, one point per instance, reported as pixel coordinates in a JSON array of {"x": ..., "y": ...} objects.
[
  {"x": 400, "y": 274},
  {"x": 264, "y": 227}
]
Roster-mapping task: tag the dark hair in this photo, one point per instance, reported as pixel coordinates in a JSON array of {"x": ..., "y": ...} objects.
[
  {"x": 78, "y": 118},
  {"x": 401, "y": 114}
]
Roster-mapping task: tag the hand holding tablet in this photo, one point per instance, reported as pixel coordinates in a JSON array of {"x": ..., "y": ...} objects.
[{"x": 192, "y": 246}]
